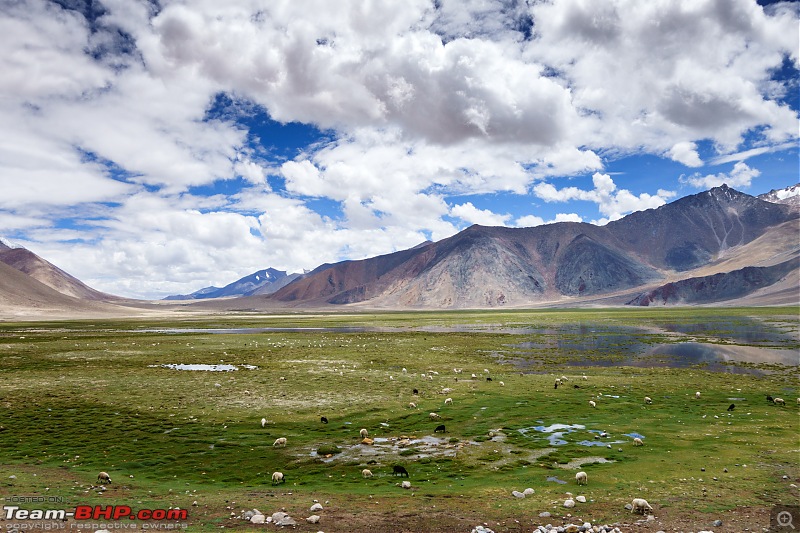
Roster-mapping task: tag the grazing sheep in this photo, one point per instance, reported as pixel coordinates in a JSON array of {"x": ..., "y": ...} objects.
[
  {"x": 556, "y": 385},
  {"x": 640, "y": 505},
  {"x": 503, "y": 385},
  {"x": 584, "y": 376},
  {"x": 638, "y": 442},
  {"x": 281, "y": 441},
  {"x": 404, "y": 370},
  {"x": 581, "y": 478},
  {"x": 779, "y": 401},
  {"x": 412, "y": 405},
  {"x": 415, "y": 391},
  {"x": 592, "y": 403},
  {"x": 798, "y": 401},
  {"x": 648, "y": 400},
  {"x": 769, "y": 398},
  {"x": 366, "y": 473},
  {"x": 697, "y": 395},
  {"x": 364, "y": 433},
  {"x": 731, "y": 407},
  {"x": 434, "y": 416},
  {"x": 323, "y": 420},
  {"x": 473, "y": 376},
  {"x": 399, "y": 470},
  {"x": 277, "y": 477},
  {"x": 448, "y": 401},
  {"x": 103, "y": 477},
  {"x": 440, "y": 428},
  {"x": 263, "y": 422}
]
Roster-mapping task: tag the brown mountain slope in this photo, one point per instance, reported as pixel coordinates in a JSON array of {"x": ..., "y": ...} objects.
[
  {"x": 45, "y": 272},
  {"x": 487, "y": 267},
  {"x": 21, "y": 296}
]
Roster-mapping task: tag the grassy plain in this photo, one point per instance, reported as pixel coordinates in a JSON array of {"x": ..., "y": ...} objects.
[{"x": 81, "y": 397}]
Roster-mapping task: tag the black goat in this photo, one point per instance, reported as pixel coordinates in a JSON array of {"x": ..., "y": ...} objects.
[{"x": 397, "y": 469}]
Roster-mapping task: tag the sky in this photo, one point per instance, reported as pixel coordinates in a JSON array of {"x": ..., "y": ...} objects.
[{"x": 155, "y": 147}]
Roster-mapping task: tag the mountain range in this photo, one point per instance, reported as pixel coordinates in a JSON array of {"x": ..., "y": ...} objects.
[
  {"x": 720, "y": 245},
  {"x": 264, "y": 281}
]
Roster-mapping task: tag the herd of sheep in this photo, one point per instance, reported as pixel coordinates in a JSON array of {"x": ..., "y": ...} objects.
[{"x": 638, "y": 505}]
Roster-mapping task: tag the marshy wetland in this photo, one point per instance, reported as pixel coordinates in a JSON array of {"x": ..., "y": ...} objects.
[{"x": 173, "y": 410}]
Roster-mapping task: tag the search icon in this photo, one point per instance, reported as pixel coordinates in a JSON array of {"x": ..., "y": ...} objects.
[{"x": 784, "y": 519}]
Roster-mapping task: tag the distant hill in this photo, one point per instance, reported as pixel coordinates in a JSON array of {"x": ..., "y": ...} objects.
[
  {"x": 498, "y": 266},
  {"x": 261, "y": 282},
  {"x": 719, "y": 287},
  {"x": 48, "y": 274},
  {"x": 789, "y": 196},
  {"x": 717, "y": 246}
]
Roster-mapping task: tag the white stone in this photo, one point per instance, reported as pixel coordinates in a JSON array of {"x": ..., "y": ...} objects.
[
  {"x": 517, "y": 494},
  {"x": 315, "y": 507},
  {"x": 581, "y": 499},
  {"x": 569, "y": 503},
  {"x": 528, "y": 491},
  {"x": 258, "y": 519},
  {"x": 313, "y": 519},
  {"x": 406, "y": 484}
]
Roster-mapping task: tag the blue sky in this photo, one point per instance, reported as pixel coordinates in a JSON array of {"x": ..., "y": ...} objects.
[{"x": 154, "y": 148}]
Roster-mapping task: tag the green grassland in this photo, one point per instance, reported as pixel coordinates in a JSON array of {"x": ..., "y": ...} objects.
[{"x": 85, "y": 396}]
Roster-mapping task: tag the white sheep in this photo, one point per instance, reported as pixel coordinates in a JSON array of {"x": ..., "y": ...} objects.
[
  {"x": 412, "y": 405},
  {"x": 103, "y": 477},
  {"x": 648, "y": 400},
  {"x": 581, "y": 478},
  {"x": 364, "y": 433},
  {"x": 502, "y": 384},
  {"x": 448, "y": 401},
  {"x": 277, "y": 477},
  {"x": 592, "y": 403},
  {"x": 779, "y": 401},
  {"x": 637, "y": 442},
  {"x": 584, "y": 377},
  {"x": 280, "y": 441},
  {"x": 263, "y": 422},
  {"x": 404, "y": 370},
  {"x": 366, "y": 473},
  {"x": 433, "y": 416},
  {"x": 640, "y": 505},
  {"x": 696, "y": 397}
]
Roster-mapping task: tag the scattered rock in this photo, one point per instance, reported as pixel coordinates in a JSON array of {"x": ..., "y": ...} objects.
[
  {"x": 544, "y": 515},
  {"x": 481, "y": 529},
  {"x": 571, "y": 528},
  {"x": 569, "y": 503},
  {"x": 629, "y": 507},
  {"x": 528, "y": 491},
  {"x": 717, "y": 523},
  {"x": 258, "y": 519},
  {"x": 581, "y": 499},
  {"x": 517, "y": 494},
  {"x": 282, "y": 519},
  {"x": 315, "y": 507},
  {"x": 406, "y": 484},
  {"x": 313, "y": 519}
]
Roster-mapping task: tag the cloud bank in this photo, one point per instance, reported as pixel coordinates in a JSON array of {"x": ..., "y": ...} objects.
[{"x": 116, "y": 160}]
